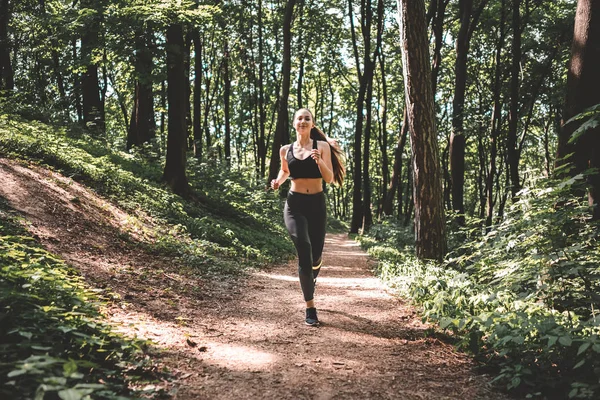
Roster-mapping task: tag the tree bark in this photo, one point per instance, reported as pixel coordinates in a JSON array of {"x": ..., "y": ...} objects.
[
  {"x": 583, "y": 91},
  {"x": 438, "y": 33},
  {"x": 262, "y": 112},
  {"x": 468, "y": 21},
  {"x": 196, "y": 98},
  {"x": 174, "y": 172},
  {"x": 430, "y": 229},
  {"x": 385, "y": 171},
  {"x": 361, "y": 203},
  {"x": 512, "y": 157},
  {"x": 396, "y": 180},
  {"x": 227, "y": 104},
  {"x": 357, "y": 210},
  {"x": 457, "y": 137},
  {"x": 7, "y": 81},
  {"x": 140, "y": 128},
  {"x": 93, "y": 107},
  {"x": 496, "y": 118}
]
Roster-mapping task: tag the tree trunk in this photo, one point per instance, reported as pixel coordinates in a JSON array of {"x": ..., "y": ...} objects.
[
  {"x": 513, "y": 116},
  {"x": 361, "y": 207},
  {"x": 496, "y": 118},
  {"x": 457, "y": 137},
  {"x": 140, "y": 129},
  {"x": 77, "y": 85},
  {"x": 174, "y": 173},
  {"x": 385, "y": 170},
  {"x": 357, "y": 216},
  {"x": 396, "y": 181},
  {"x": 93, "y": 107},
  {"x": 196, "y": 99},
  {"x": 281, "y": 136},
  {"x": 583, "y": 91},
  {"x": 438, "y": 33},
  {"x": 7, "y": 81},
  {"x": 429, "y": 219},
  {"x": 262, "y": 112},
  {"x": 468, "y": 21},
  {"x": 367, "y": 211},
  {"x": 227, "y": 104}
]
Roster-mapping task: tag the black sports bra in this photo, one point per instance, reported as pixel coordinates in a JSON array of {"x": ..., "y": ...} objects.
[{"x": 306, "y": 168}]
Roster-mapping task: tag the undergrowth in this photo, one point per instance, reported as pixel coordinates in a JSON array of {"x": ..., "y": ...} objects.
[
  {"x": 54, "y": 342},
  {"x": 225, "y": 225},
  {"x": 523, "y": 296}
]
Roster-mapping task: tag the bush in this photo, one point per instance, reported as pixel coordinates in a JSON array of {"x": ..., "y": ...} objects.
[
  {"x": 523, "y": 297},
  {"x": 54, "y": 340}
]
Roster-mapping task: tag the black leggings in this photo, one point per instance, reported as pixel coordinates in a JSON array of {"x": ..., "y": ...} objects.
[{"x": 305, "y": 216}]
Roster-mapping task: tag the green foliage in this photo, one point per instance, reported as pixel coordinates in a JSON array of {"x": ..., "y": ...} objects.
[
  {"x": 523, "y": 296},
  {"x": 54, "y": 341},
  {"x": 591, "y": 116}
]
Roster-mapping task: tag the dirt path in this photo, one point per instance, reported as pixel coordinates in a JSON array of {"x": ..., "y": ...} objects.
[{"x": 245, "y": 338}]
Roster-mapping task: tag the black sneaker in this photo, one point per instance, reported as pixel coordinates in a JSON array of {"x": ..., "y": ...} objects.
[{"x": 311, "y": 317}]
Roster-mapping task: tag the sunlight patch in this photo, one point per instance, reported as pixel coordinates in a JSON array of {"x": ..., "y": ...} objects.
[
  {"x": 239, "y": 357},
  {"x": 286, "y": 278}
]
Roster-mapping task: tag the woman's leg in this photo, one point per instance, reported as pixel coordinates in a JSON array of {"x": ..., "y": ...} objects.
[
  {"x": 317, "y": 223},
  {"x": 296, "y": 222}
]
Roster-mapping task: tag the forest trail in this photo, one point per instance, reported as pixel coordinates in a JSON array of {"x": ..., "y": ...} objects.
[{"x": 245, "y": 338}]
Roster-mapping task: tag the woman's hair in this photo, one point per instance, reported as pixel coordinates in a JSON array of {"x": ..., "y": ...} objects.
[{"x": 337, "y": 155}]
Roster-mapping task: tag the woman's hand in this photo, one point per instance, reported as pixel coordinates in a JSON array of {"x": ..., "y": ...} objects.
[
  {"x": 316, "y": 155},
  {"x": 274, "y": 184}
]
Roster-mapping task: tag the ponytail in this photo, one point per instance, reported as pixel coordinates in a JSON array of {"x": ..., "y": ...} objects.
[{"x": 337, "y": 156}]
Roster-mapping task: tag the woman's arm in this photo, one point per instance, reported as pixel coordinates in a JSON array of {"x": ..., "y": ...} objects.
[
  {"x": 284, "y": 172},
  {"x": 322, "y": 155}
]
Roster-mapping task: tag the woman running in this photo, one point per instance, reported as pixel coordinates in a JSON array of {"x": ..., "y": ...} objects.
[{"x": 310, "y": 160}]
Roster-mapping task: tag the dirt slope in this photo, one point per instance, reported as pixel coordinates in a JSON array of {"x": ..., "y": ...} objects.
[{"x": 245, "y": 338}]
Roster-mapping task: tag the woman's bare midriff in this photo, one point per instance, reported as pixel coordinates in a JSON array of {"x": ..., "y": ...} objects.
[{"x": 307, "y": 185}]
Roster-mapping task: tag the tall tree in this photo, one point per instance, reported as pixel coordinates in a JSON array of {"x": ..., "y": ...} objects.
[
  {"x": 512, "y": 151},
  {"x": 196, "y": 97},
  {"x": 281, "y": 136},
  {"x": 430, "y": 228},
  {"x": 468, "y": 21},
  {"x": 141, "y": 128},
  {"x": 93, "y": 107},
  {"x": 583, "y": 91},
  {"x": 174, "y": 173},
  {"x": 396, "y": 180},
  {"x": 6, "y": 71},
  {"x": 362, "y": 216},
  {"x": 496, "y": 119}
]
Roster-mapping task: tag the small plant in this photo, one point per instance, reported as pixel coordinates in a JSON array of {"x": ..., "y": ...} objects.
[{"x": 54, "y": 340}]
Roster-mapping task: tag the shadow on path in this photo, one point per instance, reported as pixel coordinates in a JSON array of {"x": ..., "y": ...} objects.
[{"x": 245, "y": 339}]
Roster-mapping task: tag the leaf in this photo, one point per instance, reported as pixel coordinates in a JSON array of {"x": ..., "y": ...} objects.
[
  {"x": 589, "y": 124},
  {"x": 445, "y": 322},
  {"x": 565, "y": 341},
  {"x": 69, "y": 368},
  {"x": 583, "y": 347},
  {"x": 579, "y": 364},
  {"x": 16, "y": 372},
  {"x": 70, "y": 394},
  {"x": 552, "y": 340}
]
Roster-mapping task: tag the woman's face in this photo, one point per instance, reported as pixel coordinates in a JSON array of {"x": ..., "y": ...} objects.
[{"x": 303, "y": 121}]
